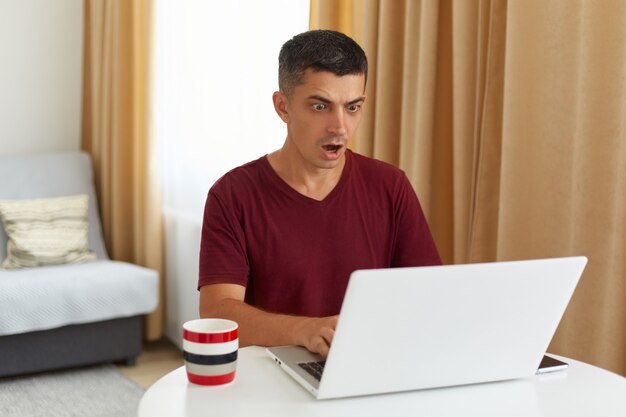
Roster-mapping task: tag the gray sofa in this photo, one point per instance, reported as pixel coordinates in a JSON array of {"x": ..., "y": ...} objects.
[{"x": 61, "y": 316}]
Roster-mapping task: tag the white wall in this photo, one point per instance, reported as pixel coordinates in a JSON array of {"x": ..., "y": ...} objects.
[{"x": 41, "y": 50}]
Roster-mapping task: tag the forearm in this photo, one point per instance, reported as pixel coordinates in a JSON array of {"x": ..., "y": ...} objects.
[{"x": 258, "y": 327}]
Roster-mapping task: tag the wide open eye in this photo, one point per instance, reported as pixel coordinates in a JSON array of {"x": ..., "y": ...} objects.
[{"x": 353, "y": 108}]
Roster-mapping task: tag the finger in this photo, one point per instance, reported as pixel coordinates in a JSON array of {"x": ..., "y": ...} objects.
[
  {"x": 325, "y": 338},
  {"x": 322, "y": 340},
  {"x": 328, "y": 335},
  {"x": 322, "y": 348}
]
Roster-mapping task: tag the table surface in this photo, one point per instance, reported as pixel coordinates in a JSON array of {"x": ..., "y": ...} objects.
[{"x": 261, "y": 388}]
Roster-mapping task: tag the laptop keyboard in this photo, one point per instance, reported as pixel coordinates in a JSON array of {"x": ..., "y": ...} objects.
[{"x": 313, "y": 368}]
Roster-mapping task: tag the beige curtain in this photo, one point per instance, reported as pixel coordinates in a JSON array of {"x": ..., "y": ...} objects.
[
  {"x": 509, "y": 118},
  {"x": 114, "y": 132}
]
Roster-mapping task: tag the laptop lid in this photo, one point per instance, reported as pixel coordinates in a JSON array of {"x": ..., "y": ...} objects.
[{"x": 425, "y": 327}]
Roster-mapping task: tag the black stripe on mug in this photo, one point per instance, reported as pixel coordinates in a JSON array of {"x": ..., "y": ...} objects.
[{"x": 210, "y": 359}]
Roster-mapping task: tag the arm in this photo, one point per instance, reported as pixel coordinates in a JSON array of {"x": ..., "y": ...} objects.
[
  {"x": 257, "y": 327},
  {"x": 414, "y": 244}
]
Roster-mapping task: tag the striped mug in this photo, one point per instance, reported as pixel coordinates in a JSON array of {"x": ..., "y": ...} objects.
[{"x": 210, "y": 350}]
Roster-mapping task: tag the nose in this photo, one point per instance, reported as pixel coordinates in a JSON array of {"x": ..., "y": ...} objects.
[{"x": 337, "y": 123}]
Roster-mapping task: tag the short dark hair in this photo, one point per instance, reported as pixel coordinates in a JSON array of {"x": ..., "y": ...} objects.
[{"x": 321, "y": 50}]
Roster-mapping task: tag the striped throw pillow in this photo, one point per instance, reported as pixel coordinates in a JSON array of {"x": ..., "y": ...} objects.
[{"x": 48, "y": 231}]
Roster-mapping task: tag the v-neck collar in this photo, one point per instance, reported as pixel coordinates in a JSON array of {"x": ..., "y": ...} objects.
[{"x": 292, "y": 193}]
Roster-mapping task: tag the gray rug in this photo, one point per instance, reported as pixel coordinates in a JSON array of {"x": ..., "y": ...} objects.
[{"x": 99, "y": 391}]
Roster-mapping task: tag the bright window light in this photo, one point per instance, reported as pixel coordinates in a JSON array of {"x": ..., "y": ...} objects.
[{"x": 216, "y": 67}]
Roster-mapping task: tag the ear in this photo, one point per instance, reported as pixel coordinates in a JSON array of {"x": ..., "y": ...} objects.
[{"x": 281, "y": 105}]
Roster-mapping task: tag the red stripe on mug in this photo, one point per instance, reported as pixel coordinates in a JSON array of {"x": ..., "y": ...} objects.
[
  {"x": 210, "y": 337},
  {"x": 211, "y": 380}
]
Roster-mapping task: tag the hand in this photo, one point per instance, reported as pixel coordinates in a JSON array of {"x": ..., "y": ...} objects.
[{"x": 316, "y": 334}]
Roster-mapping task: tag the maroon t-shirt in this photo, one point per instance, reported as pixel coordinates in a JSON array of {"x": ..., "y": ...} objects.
[{"x": 295, "y": 254}]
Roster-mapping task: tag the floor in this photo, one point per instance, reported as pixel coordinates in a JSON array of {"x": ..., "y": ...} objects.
[{"x": 156, "y": 360}]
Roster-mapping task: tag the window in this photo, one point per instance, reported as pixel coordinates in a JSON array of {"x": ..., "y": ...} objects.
[{"x": 215, "y": 69}]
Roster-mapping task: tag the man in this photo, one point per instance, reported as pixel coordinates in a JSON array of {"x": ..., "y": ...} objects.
[{"x": 282, "y": 234}]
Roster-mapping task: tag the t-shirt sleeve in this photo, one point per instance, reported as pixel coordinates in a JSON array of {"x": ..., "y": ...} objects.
[
  {"x": 414, "y": 244},
  {"x": 223, "y": 257}
]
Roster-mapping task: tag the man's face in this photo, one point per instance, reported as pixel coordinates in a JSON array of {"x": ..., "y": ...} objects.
[{"x": 321, "y": 115}]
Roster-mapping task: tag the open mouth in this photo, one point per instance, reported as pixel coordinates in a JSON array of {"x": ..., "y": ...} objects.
[{"x": 332, "y": 148}]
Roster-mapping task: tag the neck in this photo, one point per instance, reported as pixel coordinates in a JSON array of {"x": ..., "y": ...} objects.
[{"x": 310, "y": 181}]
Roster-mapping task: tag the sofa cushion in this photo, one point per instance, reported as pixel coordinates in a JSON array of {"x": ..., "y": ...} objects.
[
  {"x": 46, "y": 231},
  {"x": 53, "y": 296},
  {"x": 51, "y": 175}
]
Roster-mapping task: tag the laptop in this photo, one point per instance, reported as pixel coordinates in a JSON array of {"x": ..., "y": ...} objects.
[{"x": 403, "y": 329}]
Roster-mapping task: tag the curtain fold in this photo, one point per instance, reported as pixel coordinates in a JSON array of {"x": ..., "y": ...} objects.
[
  {"x": 115, "y": 133},
  {"x": 484, "y": 197},
  {"x": 509, "y": 119}
]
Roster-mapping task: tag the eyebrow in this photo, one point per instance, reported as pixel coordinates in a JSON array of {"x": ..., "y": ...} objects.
[{"x": 327, "y": 101}]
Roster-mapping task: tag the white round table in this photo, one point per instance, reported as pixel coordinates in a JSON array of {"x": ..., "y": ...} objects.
[{"x": 261, "y": 388}]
